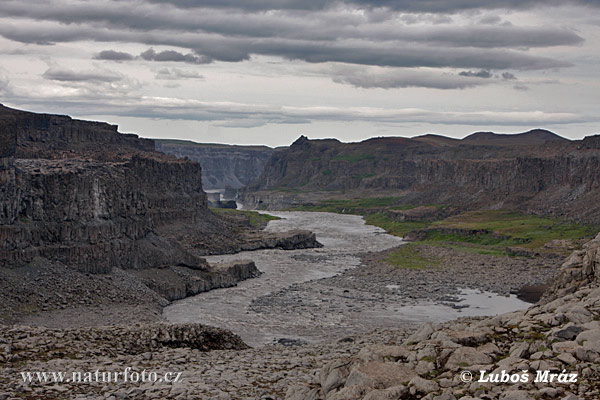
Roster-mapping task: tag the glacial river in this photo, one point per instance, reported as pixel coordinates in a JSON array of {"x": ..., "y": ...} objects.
[{"x": 311, "y": 311}]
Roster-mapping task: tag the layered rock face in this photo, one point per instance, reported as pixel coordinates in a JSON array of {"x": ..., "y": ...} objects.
[
  {"x": 222, "y": 165},
  {"x": 551, "y": 350},
  {"x": 82, "y": 194},
  {"x": 536, "y": 172}
]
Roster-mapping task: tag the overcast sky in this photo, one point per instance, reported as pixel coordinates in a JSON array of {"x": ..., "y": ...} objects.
[{"x": 267, "y": 71}]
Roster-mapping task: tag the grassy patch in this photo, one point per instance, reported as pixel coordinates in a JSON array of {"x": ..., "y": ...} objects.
[
  {"x": 473, "y": 249},
  {"x": 408, "y": 256},
  {"x": 354, "y": 158},
  {"x": 256, "y": 220},
  {"x": 525, "y": 230},
  {"x": 396, "y": 228}
]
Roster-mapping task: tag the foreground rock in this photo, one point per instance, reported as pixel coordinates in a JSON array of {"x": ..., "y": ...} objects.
[
  {"x": 554, "y": 342},
  {"x": 228, "y": 371}
]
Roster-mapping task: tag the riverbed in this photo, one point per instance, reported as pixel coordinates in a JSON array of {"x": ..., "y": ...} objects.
[{"x": 292, "y": 301}]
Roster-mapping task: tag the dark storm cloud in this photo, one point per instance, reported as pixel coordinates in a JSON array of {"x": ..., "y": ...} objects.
[
  {"x": 172, "y": 55},
  {"x": 476, "y": 74},
  {"x": 112, "y": 55},
  {"x": 66, "y": 75}
]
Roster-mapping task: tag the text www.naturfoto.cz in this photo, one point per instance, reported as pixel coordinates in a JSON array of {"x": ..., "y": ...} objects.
[{"x": 126, "y": 376}]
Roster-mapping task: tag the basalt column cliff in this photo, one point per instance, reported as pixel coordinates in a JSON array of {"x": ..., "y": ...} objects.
[{"x": 81, "y": 195}]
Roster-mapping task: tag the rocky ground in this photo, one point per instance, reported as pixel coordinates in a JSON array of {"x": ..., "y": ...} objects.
[
  {"x": 52, "y": 294},
  {"x": 560, "y": 335},
  {"x": 551, "y": 350},
  {"x": 377, "y": 284},
  {"x": 227, "y": 372}
]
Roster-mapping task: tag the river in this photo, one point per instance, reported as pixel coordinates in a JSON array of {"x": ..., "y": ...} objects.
[{"x": 311, "y": 311}]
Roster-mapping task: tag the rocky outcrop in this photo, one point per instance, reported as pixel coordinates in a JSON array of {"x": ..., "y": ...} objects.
[
  {"x": 553, "y": 176},
  {"x": 177, "y": 282},
  {"x": 551, "y": 350},
  {"x": 222, "y": 165},
  {"x": 297, "y": 239},
  {"x": 98, "y": 215}
]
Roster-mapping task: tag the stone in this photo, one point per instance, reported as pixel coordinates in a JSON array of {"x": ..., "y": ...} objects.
[
  {"x": 467, "y": 356},
  {"x": 568, "y": 333},
  {"x": 379, "y": 375},
  {"x": 590, "y": 339},
  {"x": 333, "y": 375},
  {"x": 391, "y": 393},
  {"x": 301, "y": 392},
  {"x": 567, "y": 358},
  {"x": 516, "y": 395},
  {"x": 423, "y": 386}
]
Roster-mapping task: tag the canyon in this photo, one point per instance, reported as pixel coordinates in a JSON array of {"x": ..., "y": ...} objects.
[
  {"x": 81, "y": 195},
  {"x": 534, "y": 172},
  {"x": 223, "y": 166}
]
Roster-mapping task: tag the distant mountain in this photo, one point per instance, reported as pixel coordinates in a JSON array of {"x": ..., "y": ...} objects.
[{"x": 529, "y": 138}]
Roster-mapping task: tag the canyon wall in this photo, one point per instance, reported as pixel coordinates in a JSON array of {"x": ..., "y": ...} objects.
[
  {"x": 222, "y": 165},
  {"x": 83, "y": 195},
  {"x": 556, "y": 177}
]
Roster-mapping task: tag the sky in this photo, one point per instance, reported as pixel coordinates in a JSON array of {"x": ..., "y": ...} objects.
[{"x": 268, "y": 71}]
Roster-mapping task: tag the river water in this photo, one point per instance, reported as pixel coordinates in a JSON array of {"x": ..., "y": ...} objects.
[{"x": 313, "y": 311}]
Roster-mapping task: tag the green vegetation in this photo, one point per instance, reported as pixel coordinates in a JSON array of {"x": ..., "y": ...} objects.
[
  {"x": 256, "y": 220},
  {"x": 409, "y": 257},
  {"x": 354, "y": 158},
  {"x": 520, "y": 229},
  {"x": 397, "y": 228},
  {"x": 362, "y": 176},
  {"x": 487, "y": 232}
]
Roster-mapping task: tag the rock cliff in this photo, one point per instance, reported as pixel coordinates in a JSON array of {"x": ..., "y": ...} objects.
[
  {"x": 535, "y": 172},
  {"x": 222, "y": 165},
  {"x": 81, "y": 194}
]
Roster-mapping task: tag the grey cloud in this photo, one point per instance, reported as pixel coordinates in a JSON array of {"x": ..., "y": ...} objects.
[
  {"x": 490, "y": 19},
  {"x": 323, "y": 26},
  {"x": 389, "y": 79},
  {"x": 508, "y": 76},
  {"x": 476, "y": 74},
  {"x": 206, "y": 47},
  {"x": 433, "y": 6},
  {"x": 251, "y": 114},
  {"x": 67, "y": 75},
  {"x": 113, "y": 55},
  {"x": 172, "y": 55},
  {"x": 175, "y": 74}
]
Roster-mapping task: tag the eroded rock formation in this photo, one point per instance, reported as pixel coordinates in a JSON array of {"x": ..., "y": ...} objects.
[{"x": 534, "y": 172}]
